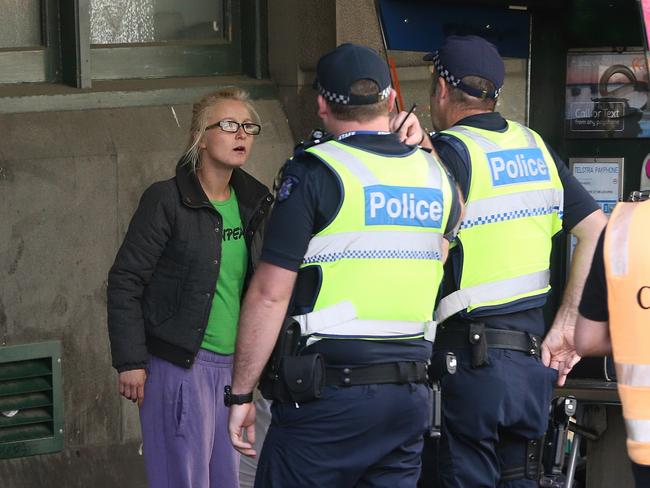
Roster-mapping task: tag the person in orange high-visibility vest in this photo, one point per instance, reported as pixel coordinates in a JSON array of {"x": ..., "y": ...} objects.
[{"x": 617, "y": 293}]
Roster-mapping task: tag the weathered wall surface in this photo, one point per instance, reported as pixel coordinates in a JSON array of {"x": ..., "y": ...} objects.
[
  {"x": 294, "y": 49},
  {"x": 69, "y": 182}
]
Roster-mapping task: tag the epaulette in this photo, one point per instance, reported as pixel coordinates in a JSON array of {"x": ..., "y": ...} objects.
[{"x": 317, "y": 136}]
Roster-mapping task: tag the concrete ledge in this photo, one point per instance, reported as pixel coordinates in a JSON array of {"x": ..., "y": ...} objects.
[
  {"x": 105, "y": 466},
  {"x": 45, "y": 97}
]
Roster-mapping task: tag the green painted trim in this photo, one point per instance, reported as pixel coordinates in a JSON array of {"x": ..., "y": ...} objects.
[
  {"x": 52, "y": 36},
  {"x": 75, "y": 43},
  {"x": 127, "y": 93},
  {"x": 53, "y": 443},
  {"x": 23, "y": 66},
  {"x": 30, "y": 351},
  {"x": 255, "y": 38},
  {"x": 40, "y": 64},
  {"x": 55, "y": 350},
  {"x": 163, "y": 61}
]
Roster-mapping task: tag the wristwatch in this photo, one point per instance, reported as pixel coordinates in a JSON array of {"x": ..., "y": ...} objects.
[{"x": 230, "y": 399}]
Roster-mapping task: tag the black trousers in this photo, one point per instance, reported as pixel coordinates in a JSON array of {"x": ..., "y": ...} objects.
[{"x": 488, "y": 416}]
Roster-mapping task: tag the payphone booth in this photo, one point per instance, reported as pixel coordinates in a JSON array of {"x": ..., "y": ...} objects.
[{"x": 577, "y": 73}]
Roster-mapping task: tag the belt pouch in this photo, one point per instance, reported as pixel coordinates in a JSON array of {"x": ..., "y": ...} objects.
[
  {"x": 304, "y": 377},
  {"x": 287, "y": 345},
  {"x": 441, "y": 365},
  {"x": 479, "y": 345}
]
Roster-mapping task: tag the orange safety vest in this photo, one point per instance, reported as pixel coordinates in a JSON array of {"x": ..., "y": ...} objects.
[{"x": 627, "y": 266}]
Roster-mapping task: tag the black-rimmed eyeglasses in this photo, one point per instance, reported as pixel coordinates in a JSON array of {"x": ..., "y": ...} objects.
[{"x": 232, "y": 126}]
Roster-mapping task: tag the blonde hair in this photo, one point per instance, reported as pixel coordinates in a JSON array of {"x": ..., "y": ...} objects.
[{"x": 200, "y": 112}]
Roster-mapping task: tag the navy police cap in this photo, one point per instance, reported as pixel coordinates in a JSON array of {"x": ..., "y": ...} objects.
[
  {"x": 339, "y": 69},
  {"x": 462, "y": 56}
]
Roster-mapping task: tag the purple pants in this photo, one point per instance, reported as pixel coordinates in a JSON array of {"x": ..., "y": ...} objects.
[{"x": 185, "y": 424}]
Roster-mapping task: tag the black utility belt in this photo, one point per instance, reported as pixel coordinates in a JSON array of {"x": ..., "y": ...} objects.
[
  {"x": 479, "y": 339},
  {"x": 302, "y": 378},
  {"x": 292, "y": 377},
  {"x": 376, "y": 374}
]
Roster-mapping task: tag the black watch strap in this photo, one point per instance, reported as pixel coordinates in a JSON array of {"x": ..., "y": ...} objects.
[{"x": 230, "y": 399}]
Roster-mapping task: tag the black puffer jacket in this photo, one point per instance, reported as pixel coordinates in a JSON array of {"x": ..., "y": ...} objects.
[{"x": 161, "y": 285}]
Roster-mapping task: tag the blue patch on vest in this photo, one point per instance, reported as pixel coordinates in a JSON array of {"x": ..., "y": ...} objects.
[
  {"x": 403, "y": 205},
  {"x": 514, "y": 166}
]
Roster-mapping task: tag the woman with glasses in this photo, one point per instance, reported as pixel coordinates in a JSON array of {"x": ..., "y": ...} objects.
[{"x": 174, "y": 293}]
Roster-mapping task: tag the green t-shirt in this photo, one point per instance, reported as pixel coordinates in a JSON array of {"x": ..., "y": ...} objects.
[{"x": 222, "y": 324}]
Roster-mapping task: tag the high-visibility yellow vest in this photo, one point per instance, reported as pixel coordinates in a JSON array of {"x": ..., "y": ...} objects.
[
  {"x": 627, "y": 268},
  {"x": 380, "y": 259},
  {"x": 513, "y": 209}
]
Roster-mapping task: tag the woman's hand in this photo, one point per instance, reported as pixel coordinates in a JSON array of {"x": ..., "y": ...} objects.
[{"x": 131, "y": 385}]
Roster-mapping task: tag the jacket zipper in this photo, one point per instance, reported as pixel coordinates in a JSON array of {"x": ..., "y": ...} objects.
[{"x": 208, "y": 305}]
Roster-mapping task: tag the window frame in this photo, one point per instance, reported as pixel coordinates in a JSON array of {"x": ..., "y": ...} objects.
[
  {"x": 173, "y": 58},
  {"x": 67, "y": 57},
  {"x": 35, "y": 63}
]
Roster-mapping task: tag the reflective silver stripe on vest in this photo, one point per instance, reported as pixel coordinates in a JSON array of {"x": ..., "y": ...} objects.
[
  {"x": 354, "y": 164},
  {"x": 638, "y": 430},
  {"x": 374, "y": 245},
  {"x": 513, "y": 206},
  {"x": 490, "y": 146},
  {"x": 434, "y": 178},
  {"x": 618, "y": 233},
  {"x": 530, "y": 138},
  {"x": 486, "y": 144},
  {"x": 366, "y": 176},
  {"x": 341, "y": 321},
  {"x": 637, "y": 375},
  {"x": 489, "y": 292}
]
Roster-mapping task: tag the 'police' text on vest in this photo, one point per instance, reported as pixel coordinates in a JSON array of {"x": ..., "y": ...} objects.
[
  {"x": 399, "y": 205},
  {"x": 517, "y": 166}
]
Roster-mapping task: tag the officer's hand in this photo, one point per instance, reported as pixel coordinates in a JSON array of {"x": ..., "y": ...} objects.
[
  {"x": 559, "y": 351},
  {"x": 411, "y": 131},
  {"x": 131, "y": 385},
  {"x": 242, "y": 417}
]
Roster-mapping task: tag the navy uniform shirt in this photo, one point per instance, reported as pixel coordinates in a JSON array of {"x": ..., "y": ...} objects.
[
  {"x": 308, "y": 200},
  {"x": 578, "y": 204},
  {"x": 593, "y": 304}
]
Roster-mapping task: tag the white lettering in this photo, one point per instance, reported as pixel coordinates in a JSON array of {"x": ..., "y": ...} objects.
[
  {"x": 521, "y": 163},
  {"x": 393, "y": 208},
  {"x": 435, "y": 211},
  {"x": 377, "y": 200},
  {"x": 421, "y": 210},
  {"x": 498, "y": 165},
  {"x": 511, "y": 169},
  {"x": 404, "y": 207}
]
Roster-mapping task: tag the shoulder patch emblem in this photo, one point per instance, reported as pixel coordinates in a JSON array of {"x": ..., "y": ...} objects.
[{"x": 287, "y": 185}]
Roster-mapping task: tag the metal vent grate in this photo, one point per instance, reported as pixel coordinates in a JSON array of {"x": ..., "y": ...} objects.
[{"x": 31, "y": 400}]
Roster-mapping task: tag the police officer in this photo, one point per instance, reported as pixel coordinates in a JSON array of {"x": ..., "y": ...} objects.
[
  {"x": 617, "y": 294},
  {"x": 519, "y": 194},
  {"x": 358, "y": 236}
]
